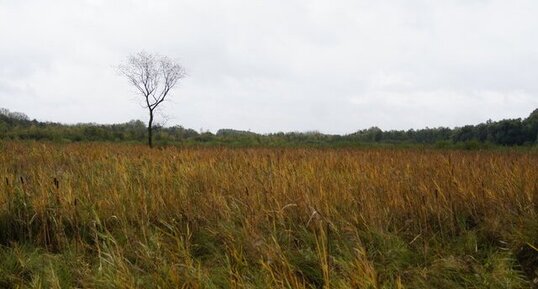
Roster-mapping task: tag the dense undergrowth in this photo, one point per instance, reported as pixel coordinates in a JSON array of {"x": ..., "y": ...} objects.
[{"x": 124, "y": 216}]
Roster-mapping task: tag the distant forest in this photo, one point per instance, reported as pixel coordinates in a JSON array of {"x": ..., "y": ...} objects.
[{"x": 507, "y": 132}]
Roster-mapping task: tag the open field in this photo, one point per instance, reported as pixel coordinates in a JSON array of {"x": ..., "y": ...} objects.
[{"x": 125, "y": 216}]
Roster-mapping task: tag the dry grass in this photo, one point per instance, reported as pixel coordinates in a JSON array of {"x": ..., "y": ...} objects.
[{"x": 124, "y": 216}]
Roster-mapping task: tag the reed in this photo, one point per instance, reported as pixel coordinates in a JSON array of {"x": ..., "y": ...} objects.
[{"x": 124, "y": 216}]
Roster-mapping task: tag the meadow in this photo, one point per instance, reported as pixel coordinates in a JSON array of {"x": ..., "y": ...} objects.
[{"x": 97, "y": 215}]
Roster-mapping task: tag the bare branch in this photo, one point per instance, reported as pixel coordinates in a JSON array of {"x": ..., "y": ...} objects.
[{"x": 153, "y": 76}]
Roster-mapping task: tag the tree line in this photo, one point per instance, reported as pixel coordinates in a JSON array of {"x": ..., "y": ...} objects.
[{"x": 507, "y": 132}]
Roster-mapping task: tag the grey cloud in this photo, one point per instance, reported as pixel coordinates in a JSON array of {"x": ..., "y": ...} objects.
[{"x": 332, "y": 66}]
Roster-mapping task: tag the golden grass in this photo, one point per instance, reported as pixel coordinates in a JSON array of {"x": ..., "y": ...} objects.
[{"x": 125, "y": 216}]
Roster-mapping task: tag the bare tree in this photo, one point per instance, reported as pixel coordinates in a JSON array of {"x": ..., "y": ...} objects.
[{"x": 154, "y": 76}]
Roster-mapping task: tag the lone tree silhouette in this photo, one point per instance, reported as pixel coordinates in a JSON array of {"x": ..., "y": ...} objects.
[{"x": 154, "y": 76}]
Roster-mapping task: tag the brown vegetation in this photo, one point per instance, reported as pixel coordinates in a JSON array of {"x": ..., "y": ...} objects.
[{"x": 125, "y": 216}]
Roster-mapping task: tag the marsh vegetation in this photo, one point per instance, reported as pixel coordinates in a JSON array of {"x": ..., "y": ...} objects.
[{"x": 125, "y": 216}]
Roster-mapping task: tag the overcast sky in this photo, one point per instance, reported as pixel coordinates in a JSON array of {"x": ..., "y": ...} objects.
[{"x": 280, "y": 65}]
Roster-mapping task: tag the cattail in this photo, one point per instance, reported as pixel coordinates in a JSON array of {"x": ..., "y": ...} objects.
[{"x": 56, "y": 183}]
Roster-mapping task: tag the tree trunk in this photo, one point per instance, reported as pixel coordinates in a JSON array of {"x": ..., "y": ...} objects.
[{"x": 150, "y": 129}]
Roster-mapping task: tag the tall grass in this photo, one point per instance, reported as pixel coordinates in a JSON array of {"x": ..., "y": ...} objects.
[{"x": 124, "y": 216}]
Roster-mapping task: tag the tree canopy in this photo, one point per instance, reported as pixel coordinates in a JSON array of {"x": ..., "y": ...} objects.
[{"x": 507, "y": 132}]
